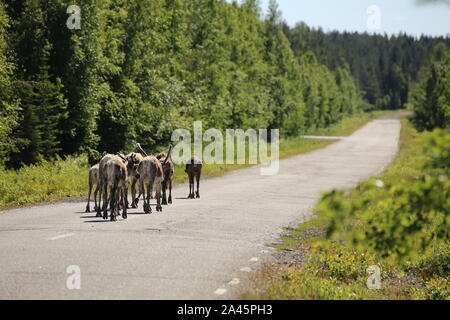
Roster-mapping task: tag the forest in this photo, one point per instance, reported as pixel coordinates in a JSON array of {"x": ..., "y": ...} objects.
[{"x": 136, "y": 70}]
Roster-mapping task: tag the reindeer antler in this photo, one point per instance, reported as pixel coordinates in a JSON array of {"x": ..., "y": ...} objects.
[
  {"x": 168, "y": 155},
  {"x": 142, "y": 150}
]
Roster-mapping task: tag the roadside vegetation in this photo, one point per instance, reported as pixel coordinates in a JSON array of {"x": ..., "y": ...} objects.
[
  {"x": 398, "y": 221},
  {"x": 397, "y": 224},
  {"x": 61, "y": 179}
]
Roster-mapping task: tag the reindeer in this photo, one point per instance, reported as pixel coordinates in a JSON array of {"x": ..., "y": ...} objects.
[
  {"x": 151, "y": 175},
  {"x": 94, "y": 179},
  {"x": 168, "y": 169},
  {"x": 101, "y": 167},
  {"x": 194, "y": 170},
  {"x": 133, "y": 162},
  {"x": 115, "y": 183}
]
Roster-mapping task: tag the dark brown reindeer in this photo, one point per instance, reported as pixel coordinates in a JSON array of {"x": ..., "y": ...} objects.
[{"x": 194, "y": 170}]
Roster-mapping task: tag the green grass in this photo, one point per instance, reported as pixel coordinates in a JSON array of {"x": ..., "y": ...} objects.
[
  {"x": 334, "y": 269},
  {"x": 61, "y": 179}
]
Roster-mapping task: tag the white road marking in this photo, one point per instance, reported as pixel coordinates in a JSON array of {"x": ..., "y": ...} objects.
[
  {"x": 62, "y": 236},
  {"x": 246, "y": 269},
  {"x": 234, "y": 282},
  {"x": 254, "y": 259},
  {"x": 220, "y": 291}
]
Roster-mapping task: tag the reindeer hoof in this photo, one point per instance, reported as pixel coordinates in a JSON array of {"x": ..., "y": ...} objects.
[
  {"x": 170, "y": 200},
  {"x": 164, "y": 203},
  {"x": 159, "y": 208},
  {"x": 198, "y": 196},
  {"x": 87, "y": 210},
  {"x": 124, "y": 215}
]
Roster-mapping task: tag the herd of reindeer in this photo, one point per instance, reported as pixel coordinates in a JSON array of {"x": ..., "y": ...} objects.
[{"x": 114, "y": 173}]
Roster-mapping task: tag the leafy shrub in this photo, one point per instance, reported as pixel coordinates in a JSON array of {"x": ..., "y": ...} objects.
[
  {"x": 437, "y": 146},
  {"x": 400, "y": 220}
]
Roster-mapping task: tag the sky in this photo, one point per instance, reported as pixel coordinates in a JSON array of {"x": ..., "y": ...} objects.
[{"x": 381, "y": 16}]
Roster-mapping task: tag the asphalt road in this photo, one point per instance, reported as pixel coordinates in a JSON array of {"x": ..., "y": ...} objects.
[{"x": 194, "y": 249}]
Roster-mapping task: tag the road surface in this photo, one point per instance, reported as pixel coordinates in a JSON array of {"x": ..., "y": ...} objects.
[{"x": 194, "y": 249}]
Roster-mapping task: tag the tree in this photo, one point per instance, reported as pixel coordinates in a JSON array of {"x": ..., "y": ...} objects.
[
  {"x": 430, "y": 98},
  {"x": 42, "y": 104},
  {"x": 8, "y": 104}
]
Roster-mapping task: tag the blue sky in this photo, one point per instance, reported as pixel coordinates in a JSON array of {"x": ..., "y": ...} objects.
[{"x": 396, "y": 15}]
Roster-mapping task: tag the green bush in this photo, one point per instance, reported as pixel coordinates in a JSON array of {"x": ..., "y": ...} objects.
[{"x": 400, "y": 219}]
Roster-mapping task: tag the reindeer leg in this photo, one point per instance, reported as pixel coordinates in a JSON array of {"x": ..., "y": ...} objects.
[
  {"x": 88, "y": 209},
  {"x": 158, "y": 197},
  {"x": 170, "y": 191},
  {"x": 99, "y": 209},
  {"x": 95, "y": 198},
  {"x": 114, "y": 202},
  {"x": 133, "y": 193},
  {"x": 141, "y": 192},
  {"x": 164, "y": 187},
  {"x": 105, "y": 202},
  {"x": 198, "y": 186},
  {"x": 191, "y": 187},
  {"x": 147, "y": 208},
  {"x": 125, "y": 196},
  {"x": 149, "y": 194}
]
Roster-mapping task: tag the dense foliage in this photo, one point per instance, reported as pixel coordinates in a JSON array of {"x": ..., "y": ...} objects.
[
  {"x": 430, "y": 97},
  {"x": 385, "y": 66},
  {"x": 138, "y": 69}
]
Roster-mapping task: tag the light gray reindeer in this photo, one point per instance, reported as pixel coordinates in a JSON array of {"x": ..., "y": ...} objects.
[{"x": 151, "y": 175}]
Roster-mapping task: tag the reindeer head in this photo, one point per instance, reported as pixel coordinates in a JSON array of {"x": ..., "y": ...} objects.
[{"x": 133, "y": 163}]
